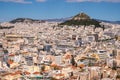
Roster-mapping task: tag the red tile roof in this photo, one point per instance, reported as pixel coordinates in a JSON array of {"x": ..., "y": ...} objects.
[
  {"x": 27, "y": 73},
  {"x": 68, "y": 57},
  {"x": 36, "y": 73},
  {"x": 10, "y": 61},
  {"x": 60, "y": 74},
  {"x": 11, "y": 55}
]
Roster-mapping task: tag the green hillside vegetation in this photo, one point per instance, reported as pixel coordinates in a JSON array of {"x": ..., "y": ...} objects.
[
  {"x": 82, "y": 22},
  {"x": 82, "y": 19},
  {"x": 6, "y": 27}
]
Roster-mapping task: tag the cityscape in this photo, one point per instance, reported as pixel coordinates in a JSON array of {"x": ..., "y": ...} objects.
[{"x": 76, "y": 47}]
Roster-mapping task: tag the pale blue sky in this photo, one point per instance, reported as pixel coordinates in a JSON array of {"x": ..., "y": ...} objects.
[{"x": 48, "y": 9}]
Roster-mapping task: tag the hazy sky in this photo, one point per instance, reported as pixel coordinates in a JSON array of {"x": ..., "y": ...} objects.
[{"x": 47, "y": 9}]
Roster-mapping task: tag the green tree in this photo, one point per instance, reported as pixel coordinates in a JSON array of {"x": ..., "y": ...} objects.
[{"x": 73, "y": 61}]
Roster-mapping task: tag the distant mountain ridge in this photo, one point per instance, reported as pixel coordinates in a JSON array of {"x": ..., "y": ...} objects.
[
  {"x": 26, "y": 20},
  {"x": 113, "y": 22},
  {"x": 29, "y": 20},
  {"x": 65, "y": 19},
  {"x": 58, "y": 19}
]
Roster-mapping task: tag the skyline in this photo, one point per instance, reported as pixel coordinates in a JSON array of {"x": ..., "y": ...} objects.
[{"x": 50, "y": 9}]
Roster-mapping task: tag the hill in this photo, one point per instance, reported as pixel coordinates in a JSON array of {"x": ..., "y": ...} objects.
[
  {"x": 26, "y": 20},
  {"x": 82, "y": 19}
]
